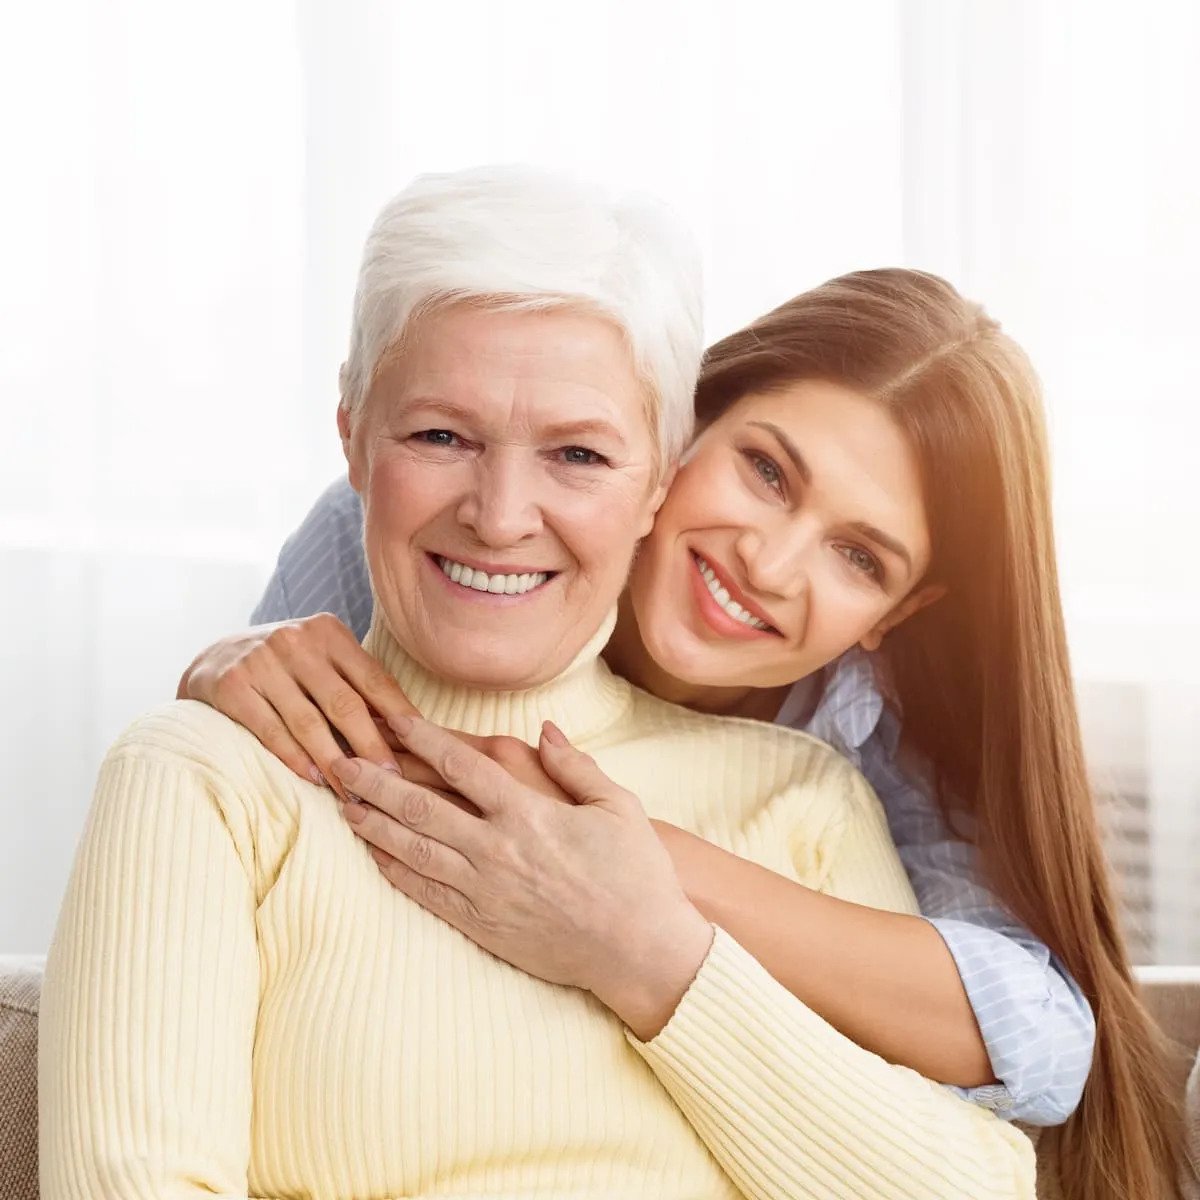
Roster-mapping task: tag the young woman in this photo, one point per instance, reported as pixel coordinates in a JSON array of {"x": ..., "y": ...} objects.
[{"x": 866, "y": 510}]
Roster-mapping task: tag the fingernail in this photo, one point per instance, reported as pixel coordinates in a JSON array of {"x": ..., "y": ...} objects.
[
  {"x": 379, "y": 856},
  {"x": 354, "y": 810},
  {"x": 401, "y": 725},
  {"x": 317, "y": 777},
  {"x": 391, "y": 766},
  {"x": 553, "y": 734},
  {"x": 344, "y": 768}
]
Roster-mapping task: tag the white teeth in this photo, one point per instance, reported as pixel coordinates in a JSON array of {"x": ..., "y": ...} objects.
[
  {"x": 722, "y": 597},
  {"x": 497, "y": 585}
]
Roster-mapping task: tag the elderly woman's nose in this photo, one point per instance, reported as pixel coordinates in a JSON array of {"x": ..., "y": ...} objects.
[{"x": 503, "y": 506}]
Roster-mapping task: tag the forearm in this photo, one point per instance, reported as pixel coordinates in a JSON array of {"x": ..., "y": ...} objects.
[
  {"x": 885, "y": 980},
  {"x": 794, "y": 1110}
]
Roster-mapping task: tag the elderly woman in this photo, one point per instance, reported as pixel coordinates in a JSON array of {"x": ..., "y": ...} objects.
[{"x": 238, "y": 1004}]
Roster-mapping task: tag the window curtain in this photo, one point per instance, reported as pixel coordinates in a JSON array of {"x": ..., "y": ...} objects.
[{"x": 195, "y": 185}]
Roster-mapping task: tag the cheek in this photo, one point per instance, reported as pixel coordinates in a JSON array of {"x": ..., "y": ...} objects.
[
  {"x": 702, "y": 491},
  {"x": 841, "y": 611},
  {"x": 403, "y": 492},
  {"x": 601, "y": 528}
]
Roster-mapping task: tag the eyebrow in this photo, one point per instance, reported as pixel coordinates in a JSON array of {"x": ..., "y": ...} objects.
[
  {"x": 870, "y": 532},
  {"x": 789, "y": 448},
  {"x": 585, "y": 425},
  {"x": 884, "y": 540}
]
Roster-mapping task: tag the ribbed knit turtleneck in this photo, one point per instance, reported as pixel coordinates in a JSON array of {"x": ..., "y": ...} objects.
[
  {"x": 237, "y": 1003},
  {"x": 583, "y": 701}
]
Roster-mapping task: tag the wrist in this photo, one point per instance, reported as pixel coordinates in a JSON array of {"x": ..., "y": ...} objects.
[
  {"x": 692, "y": 858},
  {"x": 655, "y": 970}
]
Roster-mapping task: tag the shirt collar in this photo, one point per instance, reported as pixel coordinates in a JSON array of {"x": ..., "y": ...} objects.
[{"x": 849, "y": 702}]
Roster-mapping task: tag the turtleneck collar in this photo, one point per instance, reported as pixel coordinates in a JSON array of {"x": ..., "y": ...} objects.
[{"x": 586, "y": 699}]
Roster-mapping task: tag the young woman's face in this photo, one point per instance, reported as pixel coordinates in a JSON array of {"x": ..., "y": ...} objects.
[{"x": 795, "y": 529}]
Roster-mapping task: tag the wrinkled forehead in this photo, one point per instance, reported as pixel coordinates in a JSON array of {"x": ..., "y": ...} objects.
[{"x": 498, "y": 365}]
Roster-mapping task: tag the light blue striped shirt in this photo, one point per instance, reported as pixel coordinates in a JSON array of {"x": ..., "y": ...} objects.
[{"x": 1038, "y": 1027}]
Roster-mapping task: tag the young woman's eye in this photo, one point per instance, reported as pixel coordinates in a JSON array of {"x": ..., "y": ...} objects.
[
  {"x": 864, "y": 561},
  {"x": 766, "y": 469},
  {"x": 581, "y": 456},
  {"x": 437, "y": 437}
]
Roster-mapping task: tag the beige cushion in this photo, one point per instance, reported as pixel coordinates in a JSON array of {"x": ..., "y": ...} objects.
[
  {"x": 20, "y": 986},
  {"x": 1193, "y": 1124},
  {"x": 1172, "y": 995}
]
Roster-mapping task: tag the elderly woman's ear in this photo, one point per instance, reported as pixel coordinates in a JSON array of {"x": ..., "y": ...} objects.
[{"x": 345, "y": 424}]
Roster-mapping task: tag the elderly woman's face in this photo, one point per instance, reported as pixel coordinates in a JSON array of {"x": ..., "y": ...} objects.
[{"x": 507, "y": 471}]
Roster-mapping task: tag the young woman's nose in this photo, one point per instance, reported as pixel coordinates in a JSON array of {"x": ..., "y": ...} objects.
[
  {"x": 776, "y": 560},
  {"x": 502, "y": 505}
]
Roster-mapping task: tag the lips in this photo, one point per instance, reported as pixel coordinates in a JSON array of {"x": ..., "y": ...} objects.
[{"x": 729, "y": 598}]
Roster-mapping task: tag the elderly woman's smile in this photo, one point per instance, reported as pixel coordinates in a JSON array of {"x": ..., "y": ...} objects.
[{"x": 507, "y": 467}]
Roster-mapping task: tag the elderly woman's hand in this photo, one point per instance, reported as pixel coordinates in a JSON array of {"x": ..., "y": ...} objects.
[{"x": 579, "y": 894}]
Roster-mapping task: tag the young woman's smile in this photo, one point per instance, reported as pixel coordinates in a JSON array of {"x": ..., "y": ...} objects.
[{"x": 725, "y": 606}]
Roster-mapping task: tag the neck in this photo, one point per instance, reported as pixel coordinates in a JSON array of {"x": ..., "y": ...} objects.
[
  {"x": 582, "y": 701},
  {"x": 627, "y": 655}
]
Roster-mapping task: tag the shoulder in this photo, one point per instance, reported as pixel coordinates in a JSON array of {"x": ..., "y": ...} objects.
[
  {"x": 777, "y": 758},
  {"x": 338, "y": 502},
  {"x": 189, "y": 734},
  {"x": 332, "y": 525},
  {"x": 211, "y": 759}
]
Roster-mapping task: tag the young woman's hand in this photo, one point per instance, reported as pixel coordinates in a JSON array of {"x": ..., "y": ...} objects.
[
  {"x": 583, "y": 894},
  {"x": 306, "y": 689}
]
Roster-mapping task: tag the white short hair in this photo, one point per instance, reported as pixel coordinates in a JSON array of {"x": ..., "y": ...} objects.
[{"x": 524, "y": 238}]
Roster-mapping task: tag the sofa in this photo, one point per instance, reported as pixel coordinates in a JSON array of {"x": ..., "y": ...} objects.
[{"x": 1173, "y": 995}]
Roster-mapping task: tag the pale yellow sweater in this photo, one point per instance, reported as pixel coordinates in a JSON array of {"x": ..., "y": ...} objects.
[{"x": 237, "y": 1004}]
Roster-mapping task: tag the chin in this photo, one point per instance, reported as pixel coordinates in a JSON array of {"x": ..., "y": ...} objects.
[{"x": 683, "y": 656}]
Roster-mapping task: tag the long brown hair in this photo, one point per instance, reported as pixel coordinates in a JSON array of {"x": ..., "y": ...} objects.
[{"x": 982, "y": 676}]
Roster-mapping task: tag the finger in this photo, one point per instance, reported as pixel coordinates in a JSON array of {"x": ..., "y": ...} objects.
[
  {"x": 417, "y": 851},
  {"x": 259, "y": 716},
  {"x": 344, "y": 710},
  {"x": 463, "y": 768},
  {"x": 575, "y": 772},
  {"x": 417, "y": 810},
  {"x": 305, "y": 721},
  {"x": 385, "y": 731},
  {"x": 370, "y": 679},
  {"x": 415, "y": 770},
  {"x": 421, "y": 773},
  {"x": 443, "y": 901}
]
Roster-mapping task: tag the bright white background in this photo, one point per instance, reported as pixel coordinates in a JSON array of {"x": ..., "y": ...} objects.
[{"x": 185, "y": 193}]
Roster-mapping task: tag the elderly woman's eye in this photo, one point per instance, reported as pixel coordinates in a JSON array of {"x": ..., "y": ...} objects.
[
  {"x": 437, "y": 437},
  {"x": 581, "y": 456}
]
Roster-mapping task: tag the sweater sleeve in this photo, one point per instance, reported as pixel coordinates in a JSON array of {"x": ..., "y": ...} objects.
[
  {"x": 151, "y": 995},
  {"x": 791, "y": 1107}
]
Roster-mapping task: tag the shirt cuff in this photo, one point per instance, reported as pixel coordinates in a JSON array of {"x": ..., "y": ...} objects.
[{"x": 1036, "y": 1025}]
